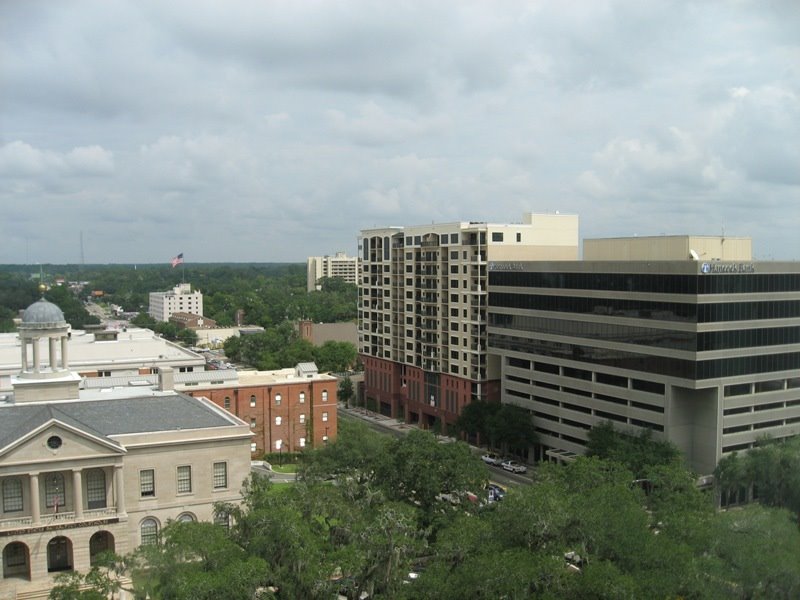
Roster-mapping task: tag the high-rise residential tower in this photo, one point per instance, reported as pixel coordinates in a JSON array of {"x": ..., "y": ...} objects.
[{"x": 422, "y": 309}]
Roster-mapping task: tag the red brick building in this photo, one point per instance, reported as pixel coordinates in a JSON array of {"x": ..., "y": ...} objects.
[{"x": 288, "y": 409}]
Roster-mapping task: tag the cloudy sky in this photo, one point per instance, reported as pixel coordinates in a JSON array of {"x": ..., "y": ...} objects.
[{"x": 270, "y": 130}]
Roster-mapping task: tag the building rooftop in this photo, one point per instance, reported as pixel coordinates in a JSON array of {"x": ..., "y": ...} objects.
[
  {"x": 113, "y": 416},
  {"x": 133, "y": 346},
  {"x": 43, "y": 314}
]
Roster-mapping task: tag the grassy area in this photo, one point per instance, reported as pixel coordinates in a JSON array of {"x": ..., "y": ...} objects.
[
  {"x": 280, "y": 487},
  {"x": 289, "y": 468}
]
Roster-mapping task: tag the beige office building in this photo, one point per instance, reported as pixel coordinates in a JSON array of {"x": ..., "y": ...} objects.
[
  {"x": 685, "y": 336},
  {"x": 422, "y": 309},
  {"x": 340, "y": 265}
]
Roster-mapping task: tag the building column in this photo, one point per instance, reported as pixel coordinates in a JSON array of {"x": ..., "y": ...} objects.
[
  {"x": 23, "y": 344},
  {"x": 64, "y": 363},
  {"x": 51, "y": 345},
  {"x": 109, "y": 489},
  {"x": 36, "y": 360},
  {"x": 34, "y": 494},
  {"x": 77, "y": 493},
  {"x": 119, "y": 484}
]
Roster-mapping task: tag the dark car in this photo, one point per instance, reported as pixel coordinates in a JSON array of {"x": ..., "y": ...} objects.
[{"x": 496, "y": 493}]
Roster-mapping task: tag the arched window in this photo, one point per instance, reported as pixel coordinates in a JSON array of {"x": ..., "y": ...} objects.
[
  {"x": 15, "y": 561},
  {"x": 186, "y": 517},
  {"x": 59, "y": 554},
  {"x": 227, "y": 403},
  {"x": 149, "y": 531},
  {"x": 96, "y": 488},
  {"x": 252, "y": 400},
  {"x": 54, "y": 490},
  {"x": 12, "y": 494},
  {"x": 101, "y": 541},
  {"x": 324, "y": 395}
]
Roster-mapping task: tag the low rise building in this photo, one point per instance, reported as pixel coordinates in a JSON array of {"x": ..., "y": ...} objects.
[
  {"x": 105, "y": 353},
  {"x": 319, "y": 333},
  {"x": 84, "y": 471},
  {"x": 287, "y": 410},
  {"x": 186, "y": 320}
]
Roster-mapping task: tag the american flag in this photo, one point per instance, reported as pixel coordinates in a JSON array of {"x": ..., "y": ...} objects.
[{"x": 177, "y": 260}]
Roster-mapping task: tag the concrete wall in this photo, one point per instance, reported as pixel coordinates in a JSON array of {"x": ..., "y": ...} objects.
[{"x": 668, "y": 247}]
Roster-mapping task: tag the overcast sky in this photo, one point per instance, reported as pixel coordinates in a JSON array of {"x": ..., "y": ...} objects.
[{"x": 273, "y": 130}]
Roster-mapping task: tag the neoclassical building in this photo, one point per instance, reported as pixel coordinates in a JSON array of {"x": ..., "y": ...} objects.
[{"x": 82, "y": 472}]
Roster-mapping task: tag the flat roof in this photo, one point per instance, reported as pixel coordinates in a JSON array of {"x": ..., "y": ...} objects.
[{"x": 134, "y": 347}]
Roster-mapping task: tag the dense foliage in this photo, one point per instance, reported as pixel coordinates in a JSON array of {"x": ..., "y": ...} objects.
[
  {"x": 503, "y": 426},
  {"x": 272, "y": 296},
  {"x": 281, "y": 347},
  {"x": 639, "y": 453},
  {"x": 771, "y": 472},
  {"x": 268, "y": 293},
  {"x": 369, "y": 510},
  {"x": 18, "y": 292}
]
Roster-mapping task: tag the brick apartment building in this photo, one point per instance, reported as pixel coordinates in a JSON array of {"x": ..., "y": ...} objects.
[{"x": 287, "y": 410}]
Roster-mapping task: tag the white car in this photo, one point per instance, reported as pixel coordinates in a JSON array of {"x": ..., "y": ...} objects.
[
  {"x": 491, "y": 459},
  {"x": 514, "y": 467}
]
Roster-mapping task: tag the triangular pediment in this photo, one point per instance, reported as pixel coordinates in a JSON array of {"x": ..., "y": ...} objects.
[{"x": 54, "y": 440}]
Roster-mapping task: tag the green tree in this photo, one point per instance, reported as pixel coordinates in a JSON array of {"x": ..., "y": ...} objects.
[
  {"x": 187, "y": 336},
  {"x": 233, "y": 348},
  {"x": 512, "y": 429},
  {"x": 352, "y": 457},
  {"x": 475, "y": 419},
  {"x": 335, "y": 356},
  {"x": 417, "y": 468},
  {"x": 637, "y": 452},
  {"x": 74, "y": 312},
  {"x": 144, "y": 319},
  {"x": 199, "y": 561},
  {"x": 103, "y": 581},
  {"x": 345, "y": 391}
]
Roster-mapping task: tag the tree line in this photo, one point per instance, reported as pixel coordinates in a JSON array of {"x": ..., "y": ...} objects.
[
  {"x": 268, "y": 293},
  {"x": 395, "y": 518},
  {"x": 281, "y": 347}
]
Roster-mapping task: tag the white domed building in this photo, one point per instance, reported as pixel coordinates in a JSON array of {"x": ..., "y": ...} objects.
[{"x": 85, "y": 471}]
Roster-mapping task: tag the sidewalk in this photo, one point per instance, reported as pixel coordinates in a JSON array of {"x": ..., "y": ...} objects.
[{"x": 376, "y": 418}]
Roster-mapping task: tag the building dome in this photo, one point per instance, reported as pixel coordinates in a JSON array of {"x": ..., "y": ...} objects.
[{"x": 43, "y": 314}]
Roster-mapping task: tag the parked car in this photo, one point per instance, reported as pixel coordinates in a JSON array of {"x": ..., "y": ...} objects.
[
  {"x": 492, "y": 459},
  {"x": 514, "y": 467},
  {"x": 496, "y": 493}
]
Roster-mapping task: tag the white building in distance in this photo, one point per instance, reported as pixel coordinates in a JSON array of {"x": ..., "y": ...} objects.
[
  {"x": 181, "y": 298},
  {"x": 342, "y": 266}
]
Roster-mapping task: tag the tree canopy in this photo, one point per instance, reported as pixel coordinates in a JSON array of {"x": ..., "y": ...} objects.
[{"x": 370, "y": 510}]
